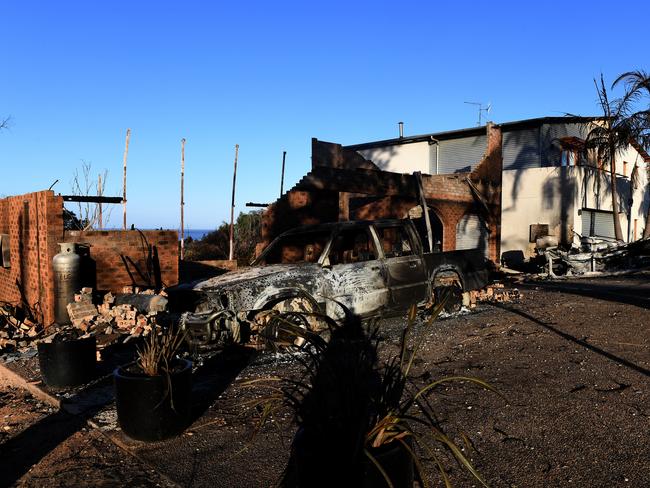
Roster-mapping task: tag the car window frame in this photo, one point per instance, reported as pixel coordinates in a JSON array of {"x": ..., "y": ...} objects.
[
  {"x": 408, "y": 229},
  {"x": 257, "y": 261},
  {"x": 371, "y": 234}
]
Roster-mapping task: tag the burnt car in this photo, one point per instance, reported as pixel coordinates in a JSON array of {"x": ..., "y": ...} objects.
[{"x": 372, "y": 268}]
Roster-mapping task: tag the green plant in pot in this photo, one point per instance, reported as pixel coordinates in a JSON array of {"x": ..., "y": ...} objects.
[
  {"x": 153, "y": 395},
  {"x": 361, "y": 421}
]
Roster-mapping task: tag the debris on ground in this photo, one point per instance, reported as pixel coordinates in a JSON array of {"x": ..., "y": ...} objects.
[
  {"x": 126, "y": 316},
  {"x": 77, "y": 456},
  {"x": 593, "y": 256},
  {"x": 496, "y": 292},
  {"x": 16, "y": 330},
  {"x": 19, "y": 409},
  {"x": 118, "y": 318}
]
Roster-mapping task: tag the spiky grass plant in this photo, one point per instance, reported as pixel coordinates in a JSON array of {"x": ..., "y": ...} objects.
[
  {"x": 402, "y": 405},
  {"x": 157, "y": 355},
  {"x": 348, "y": 405}
]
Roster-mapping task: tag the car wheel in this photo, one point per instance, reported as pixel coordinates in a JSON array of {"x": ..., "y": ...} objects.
[
  {"x": 454, "y": 296},
  {"x": 288, "y": 323}
]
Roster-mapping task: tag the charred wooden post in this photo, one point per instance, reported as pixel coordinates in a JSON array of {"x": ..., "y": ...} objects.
[
  {"x": 231, "y": 253},
  {"x": 425, "y": 209},
  {"x": 182, "y": 199},
  {"x": 99, "y": 204},
  {"x": 126, "y": 153},
  {"x": 284, "y": 157},
  {"x": 344, "y": 206}
]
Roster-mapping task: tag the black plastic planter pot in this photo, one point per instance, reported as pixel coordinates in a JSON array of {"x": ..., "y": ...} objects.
[
  {"x": 68, "y": 363},
  {"x": 396, "y": 461},
  {"x": 153, "y": 408}
]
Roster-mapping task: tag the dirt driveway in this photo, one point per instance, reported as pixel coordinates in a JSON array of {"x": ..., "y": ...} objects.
[
  {"x": 576, "y": 374},
  {"x": 572, "y": 361}
]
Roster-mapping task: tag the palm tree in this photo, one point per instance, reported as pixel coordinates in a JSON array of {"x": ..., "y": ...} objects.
[
  {"x": 637, "y": 87},
  {"x": 610, "y": 136}
]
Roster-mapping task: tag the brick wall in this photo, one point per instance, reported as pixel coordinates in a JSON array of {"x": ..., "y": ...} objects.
[
  {"x": 450, "y": 198},
  {"x": 297, "y": 208},
  {"x": 392, "y": 207},
  {"x": 341, "y": 185},
  {"x": 34, "y": 222},
  {"x": 487, "y": 177},
  {"x": 110, "y": 249}
]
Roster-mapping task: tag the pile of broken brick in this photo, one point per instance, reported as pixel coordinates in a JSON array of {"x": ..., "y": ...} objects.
[
  {"x": 121, "y": 317},
  {"x": 495, "y": 292},
  {"x": 16, "y": 330},
  {"x": 118, "y": 318}
]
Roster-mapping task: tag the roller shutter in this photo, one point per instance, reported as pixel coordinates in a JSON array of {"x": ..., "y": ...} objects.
[
  {"x": 460, "y": 155},
  {"x": 521, "y": 149},
  {"x": 603, "y": 223}
]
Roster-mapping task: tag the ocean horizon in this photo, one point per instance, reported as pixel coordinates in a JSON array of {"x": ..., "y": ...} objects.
[{"x": 195, "y": 234}]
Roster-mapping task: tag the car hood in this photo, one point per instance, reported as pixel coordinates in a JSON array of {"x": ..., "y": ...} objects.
[{"x": 255, "y": 273}]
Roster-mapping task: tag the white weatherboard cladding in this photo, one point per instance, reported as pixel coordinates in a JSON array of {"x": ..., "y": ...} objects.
[{"x": 471, "y": 233}]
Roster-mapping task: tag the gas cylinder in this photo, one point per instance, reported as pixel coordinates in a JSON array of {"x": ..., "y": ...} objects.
[{"x": 66, "y": 280}]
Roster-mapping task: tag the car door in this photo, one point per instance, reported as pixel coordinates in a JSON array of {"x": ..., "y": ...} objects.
[
  {"x": 353, "y": 274},
  {"x": 406, "y": 273}
]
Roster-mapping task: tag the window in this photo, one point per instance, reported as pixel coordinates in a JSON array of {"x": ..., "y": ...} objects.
[
  {"x": 572, "y": 151},
  {"x": 5, "y": 253},
  {"x": 568, "y": 158},
  {"x": 352, "y": 246},
  {"x": 599, "y": 223},
  {"x": 395, "y": 241},
  {"x": 297, "y": 248}
]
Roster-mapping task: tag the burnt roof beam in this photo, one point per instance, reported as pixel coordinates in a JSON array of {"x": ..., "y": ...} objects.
[{"x": 91, "y": 199}]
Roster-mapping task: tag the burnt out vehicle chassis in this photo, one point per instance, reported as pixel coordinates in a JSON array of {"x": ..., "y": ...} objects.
[{"x": 371, "y": 268}]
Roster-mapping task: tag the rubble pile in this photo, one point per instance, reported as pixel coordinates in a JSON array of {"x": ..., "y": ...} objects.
[
  {"x": 132, "y": 313},
  {"x": 495, "y": 292},
  {"x": 16, "y": 331},
  {"x": 632, "y": 255},
  {"x": 596, "y": 255},
  {"x": 118, "y": 318}
]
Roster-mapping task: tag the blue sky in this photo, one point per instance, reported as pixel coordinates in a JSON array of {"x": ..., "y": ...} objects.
[{"x": 269, "y": 76}]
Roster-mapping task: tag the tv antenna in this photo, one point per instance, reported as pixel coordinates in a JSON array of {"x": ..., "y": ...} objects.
[{"x": 481, "y": 109}]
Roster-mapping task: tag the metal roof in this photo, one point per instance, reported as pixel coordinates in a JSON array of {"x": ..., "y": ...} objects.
[{"x": 471, "y": 131}]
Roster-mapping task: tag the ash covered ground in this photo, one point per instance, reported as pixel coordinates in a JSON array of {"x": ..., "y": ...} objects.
[{"x": 571, "y": 360}]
